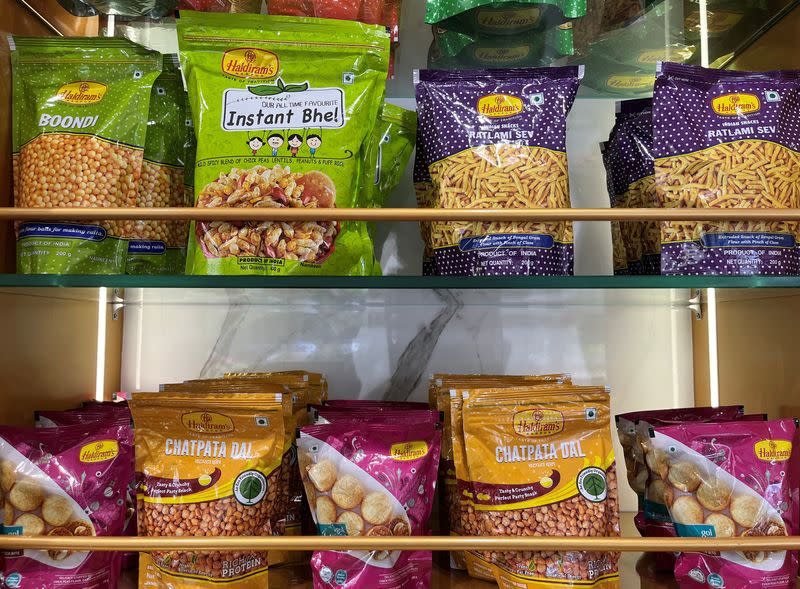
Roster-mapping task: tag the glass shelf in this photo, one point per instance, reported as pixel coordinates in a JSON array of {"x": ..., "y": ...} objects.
[{"x": 399, "y": 282}]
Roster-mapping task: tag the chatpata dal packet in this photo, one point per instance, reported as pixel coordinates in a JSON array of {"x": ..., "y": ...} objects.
[{"x": 284, "y": 108}]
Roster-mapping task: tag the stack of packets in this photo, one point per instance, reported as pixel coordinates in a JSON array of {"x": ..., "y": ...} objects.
[
  {"x": 527, "y": 456},
  {"x": 715, "y": 472}
]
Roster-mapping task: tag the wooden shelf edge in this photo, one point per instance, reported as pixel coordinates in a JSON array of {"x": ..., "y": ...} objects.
[
  {"x": 397, "y": 214},
  {"x": 302, "y": 543}
]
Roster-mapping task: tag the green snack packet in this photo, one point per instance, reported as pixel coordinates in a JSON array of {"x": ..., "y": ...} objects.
[
  {"x": 387, "y": 154},
  {"x": 156, "y": 247},
  {"x": 488, "y": 17},
  {"x": 454, "y": 50},
  {"x": 189, "y": 153},
  {"x": 283, "y": 118},
  {"x": 79, "y": 123}
]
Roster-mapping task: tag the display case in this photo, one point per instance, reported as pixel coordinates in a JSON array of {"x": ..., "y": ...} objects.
[{"x": 655, "y": 341}]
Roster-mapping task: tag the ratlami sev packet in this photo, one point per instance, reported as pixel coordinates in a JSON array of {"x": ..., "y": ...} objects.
[
  {"x": 497, "y": 139},
  {"x": 159, "y": 247},
  {"x": 726, "y": 139},
  {"x": 204, "y": 463},
  {"x": 79, "y": 124},
  {"x": 628, "y": 161},
  {"x": 275, "y": 129},
  {"x": 541, "y": 462},
  {"x": 729, "y": 480}
]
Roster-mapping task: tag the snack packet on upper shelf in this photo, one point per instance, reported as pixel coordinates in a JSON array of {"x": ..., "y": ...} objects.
[
  {"x": 540, "y": 462},
  {"x": 735, "y": 479},
  {"x": 79, "y": 123},
  {"x": 371, "y": 479},
  {"x": 274, "y": 129},
  {"x": 725, "y": 139},
  {"x": 497, "y": 139},
  {"x": 64, "y": 481},
  {"x": 204, "y": 461},
  {"x": 159, "y": 247},
  {"x": 628, "y": 161},
  {"x": 456, "y": 50},
  {"x": 501, "y": 17}
]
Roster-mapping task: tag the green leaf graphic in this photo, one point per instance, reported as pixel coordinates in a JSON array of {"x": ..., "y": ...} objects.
[
  {"x": 264, "y": 90},
  {"x": 280, "y": 85},
  {"x": 250, "y": 488},
  {"x": 594, "y": 484},
  {"x": 296, "y": 87}
]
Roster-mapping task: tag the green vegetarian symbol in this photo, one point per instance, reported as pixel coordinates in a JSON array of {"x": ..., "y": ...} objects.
[
  {"x": 594, "y": 485},
  {"x": 250, "y": 488},
  {"x": 278, "y": 88}
]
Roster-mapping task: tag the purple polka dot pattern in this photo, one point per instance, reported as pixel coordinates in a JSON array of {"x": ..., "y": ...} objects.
[
  {"x": 627, "y": 157},
  {"x": 696, "y": 108},
  {"x": 450, "y": 122}
]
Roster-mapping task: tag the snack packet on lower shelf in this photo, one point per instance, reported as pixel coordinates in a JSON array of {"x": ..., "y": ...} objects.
[
  {"x": 370, "y": 479},
  {"x": 205, "y": 463},
  {"x": 276, "y": 130},
  {"x": 64, "y": 481},
  {"x": 540, "y": 462},
  {"x": 738, "y": 479}
]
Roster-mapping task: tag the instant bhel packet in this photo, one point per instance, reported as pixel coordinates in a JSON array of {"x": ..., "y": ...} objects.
[
  {"x": 497, "y": 139},
  {"x": 64, "y": 481},
  {"x": 540, "y": 462},
  {"x": 628, "y": 161},
  {"x": 726, "y": 139},
  {"x": 501, "y": 17},
  {"x": 375, "y": 479},
  {"x": 737, "y": 479},
  {"x": 204, "y": 461},
  {"x": 79, "y": 123},
  {"x": 159, "y": 247},
  {"x": 276, "y": 130}
]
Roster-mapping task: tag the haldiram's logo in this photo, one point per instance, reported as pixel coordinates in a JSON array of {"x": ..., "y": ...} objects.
[
  {"x": 497, "y": 106},
  {"x": 99, "y": 451},
  {"x": 538, "y": 423},
  {"x": 773, "y": 450},
  {"x": 81, "y": 92},
  {"x": 502, "y": 54},
  {"x": 508, "y": 19},
  {"x": 207, "y": 422},
  {"x": 736, "y": 104},
  {"x": 630, "y": 82},
  {"x": 250, "y": 63},
  {"x": 406, "y": 451}
]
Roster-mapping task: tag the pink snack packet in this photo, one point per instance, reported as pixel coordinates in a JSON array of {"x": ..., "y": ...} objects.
[
  {"x": 64, "y": 481},
  {"x": 96, "y": 413},
  {"x": 370, "y": 479},
  {"x": 732, "y": 479},
  {"x": 323, "y": 414}
]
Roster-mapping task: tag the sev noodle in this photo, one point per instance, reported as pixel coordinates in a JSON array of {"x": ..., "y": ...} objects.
[{"x": 500, "y": 176}]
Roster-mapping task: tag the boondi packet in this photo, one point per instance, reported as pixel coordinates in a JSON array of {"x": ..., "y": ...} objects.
[
  {"x": 204, "y": 462},
  {"x": 78, "y": 132},
  {"x": 276, "y": 128}
]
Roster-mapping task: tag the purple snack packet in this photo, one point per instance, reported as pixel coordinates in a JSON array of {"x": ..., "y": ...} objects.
[
  {"x": 727, "y": 139},
  {"x": 65, "y": 481},
  {"x": 628, "y": 160},
  {"x": 497, "y": 139},
  {"x": 732, "y": 479},
  {"x": 370, "y": 479}
]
